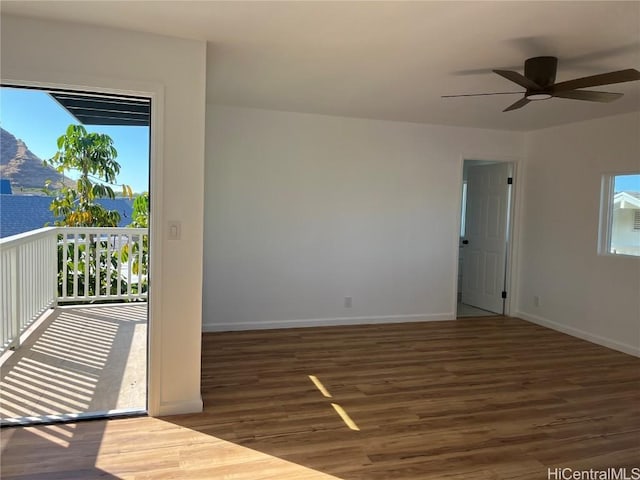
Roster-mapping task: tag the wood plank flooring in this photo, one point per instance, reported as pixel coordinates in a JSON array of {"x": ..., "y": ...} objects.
[{"x": 490, "y": 398}]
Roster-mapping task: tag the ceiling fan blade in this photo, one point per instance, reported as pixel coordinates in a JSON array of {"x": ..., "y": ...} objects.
[
  {"x": 481, "y": 94},
  {"x": 620, "y": 76},
  {"x": 519, "y": 104},
  {"x": 589, "y": 95},
  {"x": 519, "y": 79}
]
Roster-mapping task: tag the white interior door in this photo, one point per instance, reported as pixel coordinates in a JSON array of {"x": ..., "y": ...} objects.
[{"x": 486, "y": 234}]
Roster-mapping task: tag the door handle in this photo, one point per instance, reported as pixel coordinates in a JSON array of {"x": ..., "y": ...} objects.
[{"x": 465, "y": 242}]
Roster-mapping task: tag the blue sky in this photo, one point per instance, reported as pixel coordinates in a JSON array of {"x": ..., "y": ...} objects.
[
  {"x": 628, "y": 183},
  {"x": 38, "y": 120}
]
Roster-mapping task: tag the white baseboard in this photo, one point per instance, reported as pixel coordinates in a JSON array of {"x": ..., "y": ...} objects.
[
  {"x": 325, "y": 322},
  {"x": 177, "y": 408},
  {"x": 582, "y": 334}
]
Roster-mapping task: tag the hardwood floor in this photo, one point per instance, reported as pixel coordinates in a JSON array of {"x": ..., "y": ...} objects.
[{"x": 490, "y": 398}]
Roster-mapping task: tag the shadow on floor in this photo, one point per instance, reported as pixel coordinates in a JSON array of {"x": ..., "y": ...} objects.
[{"x": 79, "y": 360}]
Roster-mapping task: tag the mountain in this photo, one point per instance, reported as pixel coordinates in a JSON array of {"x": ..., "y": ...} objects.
[{"x": 23, "y": 168}]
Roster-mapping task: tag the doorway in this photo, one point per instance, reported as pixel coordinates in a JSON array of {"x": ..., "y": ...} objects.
[
  {"x": 82, "y": 350},
  {"x": 484, "y": 238}
]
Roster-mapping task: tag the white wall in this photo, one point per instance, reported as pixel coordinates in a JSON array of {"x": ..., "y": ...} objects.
[
  {"x": 303, "y": 210},
  {"x": 174, "y": 70},
  {"x": 582, "y": 293}
]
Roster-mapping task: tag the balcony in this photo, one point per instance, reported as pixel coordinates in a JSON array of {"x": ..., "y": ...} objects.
[{"x": 73, "y": 323}]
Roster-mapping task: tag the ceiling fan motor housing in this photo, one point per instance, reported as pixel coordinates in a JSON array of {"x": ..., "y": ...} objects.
[{"x": 542, "y": 70}]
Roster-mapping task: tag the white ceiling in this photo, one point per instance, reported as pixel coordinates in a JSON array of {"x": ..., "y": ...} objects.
[{"x": 388, "y": 60}]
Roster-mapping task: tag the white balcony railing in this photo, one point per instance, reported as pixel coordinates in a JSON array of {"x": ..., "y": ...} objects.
[
  {"x": 111, "y": 273},
  {"x": 29, "y": 284},
  {"x": 62, "y": 264}
]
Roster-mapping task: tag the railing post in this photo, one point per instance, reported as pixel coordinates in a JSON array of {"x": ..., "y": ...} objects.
[
  {"x": 53, "y": 267},
  {"x": 16, "y": 299}
]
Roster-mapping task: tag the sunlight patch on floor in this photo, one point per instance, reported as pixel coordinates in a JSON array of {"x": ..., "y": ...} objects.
[
  {"x": 320, "y": 386},
  {"x": 348, "y": 421},
  {"x": 345, "y": 417}
]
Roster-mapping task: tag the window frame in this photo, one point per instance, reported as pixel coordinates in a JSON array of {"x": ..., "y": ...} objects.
[
  {"x": 463, "y": 212},
  {"x": 605, "y": 225}
]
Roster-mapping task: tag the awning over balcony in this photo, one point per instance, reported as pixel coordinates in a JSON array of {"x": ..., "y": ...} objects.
[{"x": 95, "y": 109}]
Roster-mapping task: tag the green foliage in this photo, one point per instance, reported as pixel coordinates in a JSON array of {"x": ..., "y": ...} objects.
[
  {"x": 140, "y": 215},
  {"x": 140, "y": 219},
  {"x": 93, "y": 155}
]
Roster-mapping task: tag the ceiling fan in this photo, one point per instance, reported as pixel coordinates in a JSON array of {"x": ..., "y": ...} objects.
[{"x": 540, "y": 75}]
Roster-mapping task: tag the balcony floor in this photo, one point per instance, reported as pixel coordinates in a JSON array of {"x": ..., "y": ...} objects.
[{"x": 78, "y": 360}]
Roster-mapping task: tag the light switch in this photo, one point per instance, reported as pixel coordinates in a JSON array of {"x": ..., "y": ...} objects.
[{"x": 174, "y": 230}]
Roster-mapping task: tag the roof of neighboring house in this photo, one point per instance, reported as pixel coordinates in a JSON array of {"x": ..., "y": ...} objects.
[
  {"x": 627, "y": 200},
  {"x": 5, "y": 186},
  {"x": 21, "y": 213}
]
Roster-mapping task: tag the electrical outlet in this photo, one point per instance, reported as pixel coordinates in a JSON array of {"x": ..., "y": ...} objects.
[
  {"x": 348, "y": 302},
  {"x": 536, "y": 301}
]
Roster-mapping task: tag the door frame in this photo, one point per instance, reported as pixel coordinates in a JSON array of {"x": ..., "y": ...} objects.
[
  {"x": 155, "y": 92},
  {"x": 512, "y": 230}
]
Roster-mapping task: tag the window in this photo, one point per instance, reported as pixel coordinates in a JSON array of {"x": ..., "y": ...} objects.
[
  {"x": 620, "y": 215},
  {"x": 463, "y": 215}
]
